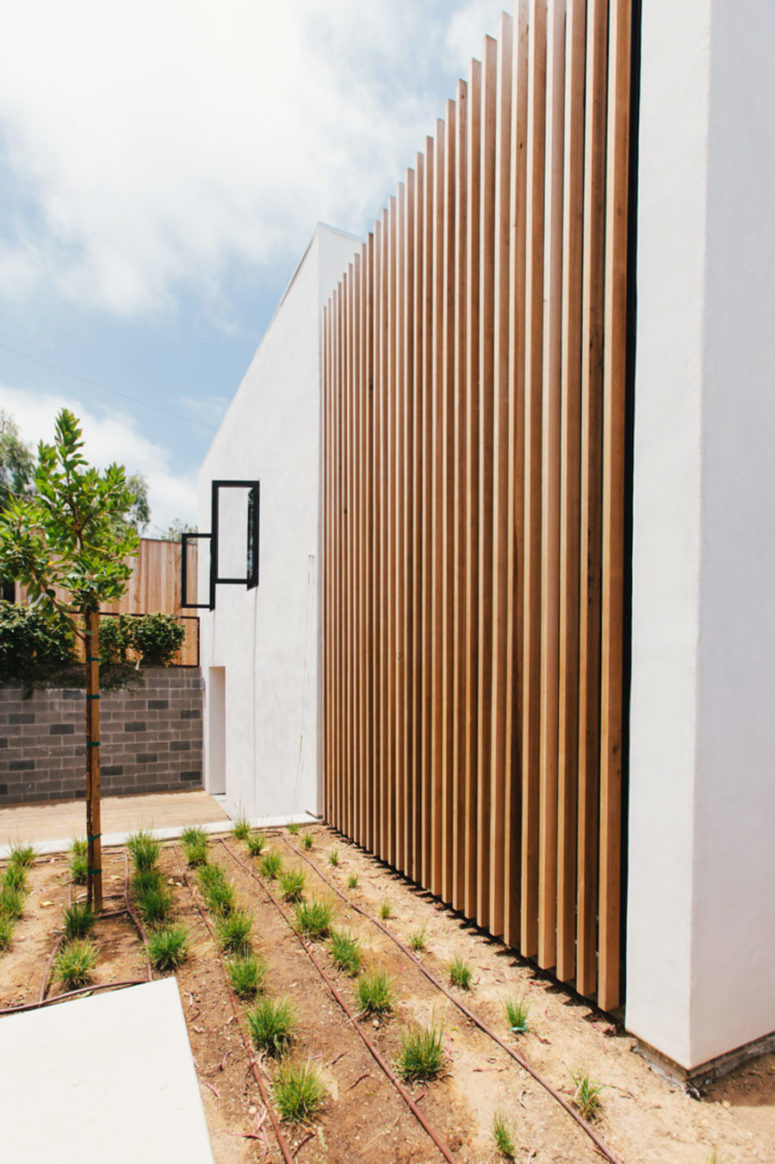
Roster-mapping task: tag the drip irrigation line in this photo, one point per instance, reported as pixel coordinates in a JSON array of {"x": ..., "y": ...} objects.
[
  {"x": 282, "y": 1142},
  {"x": 136, "y": 920},
  {"x": 95, "y": 988},
  {"x": 381, "y": 1062},
  {"x": 47, "y": 971},
  {"x": 474, "y": 1018}
]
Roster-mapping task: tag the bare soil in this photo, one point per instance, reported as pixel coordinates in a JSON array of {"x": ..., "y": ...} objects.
[{"x": 643, "y": 1117}]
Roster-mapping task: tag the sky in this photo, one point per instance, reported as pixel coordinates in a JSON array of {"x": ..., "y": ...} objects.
[{"x": 162, "y": 168}]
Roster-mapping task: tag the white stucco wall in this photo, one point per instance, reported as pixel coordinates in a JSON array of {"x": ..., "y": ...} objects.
[
  {"x": 267, "y": 639},
  {"x": 701, "y": 921}
]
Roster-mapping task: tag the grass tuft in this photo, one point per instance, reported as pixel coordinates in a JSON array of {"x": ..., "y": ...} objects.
[
  {"x": 144, "y": 851},
  {"x": 292, "y": 884},
  {"x": 22, "y": 856},
  {"x": 422, "y": 1054},
  {"x": 168, "y": 947},
  {"x": 271, "y": 866},
  {"x": 195, "y": 844},
  {"x": 346, "y": 952},
  {"x": 241, "y": 828},
  {"x": 272, "y": 1024},
  {"x": 74, "y": 964},
  {"x": 146, "y": 880},
  {"x": 233, "y": 932},
  {"x": 216, "y": 890},
  {"x": 6, "y": 931},
  {"x": 293, "y": 829},
  {"x": 517, "y": 1011},
  {"x": 502, "y": 1134},
  {"x": 79, "y": 860},
  {"x": 385, "y": 910},
  {"x": 586, "y": 1097},
  {"x": 11, "y": 902},
  {"x": 333, "y": 857},
  {"x": 79, "y": 920},
  {"x": 375, "y": 992},
  {"x": 352, "y": 881},
  {"x": 417, "y": 939},
  {"x": 155, "y": 905},
  {"x": 298, "y": 1091},
  {"x": 247, "y": 975},
  {"x": 460, "y": 973},
  {"x": 313, "y": 918},
  {"x": 256, "y": 844},
  {"x": 306, "y": 840},
  {"x": 15, "y": 876}
]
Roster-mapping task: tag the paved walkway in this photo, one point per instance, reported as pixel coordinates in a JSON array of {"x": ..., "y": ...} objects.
[{"x": 45, "y": 824}]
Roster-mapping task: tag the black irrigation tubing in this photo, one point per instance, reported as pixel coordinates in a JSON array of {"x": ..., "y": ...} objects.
[
  {"x": 95, "y": 988},
  {"x": 599, "y": 1143},
  {"x": 385, "y": 1067},
  {"x": 282, "y": 1142},
  {"x": 133, "y": 915}
]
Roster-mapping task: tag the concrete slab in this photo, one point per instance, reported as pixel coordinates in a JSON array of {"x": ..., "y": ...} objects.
[{"x": 104, "y": 1078}]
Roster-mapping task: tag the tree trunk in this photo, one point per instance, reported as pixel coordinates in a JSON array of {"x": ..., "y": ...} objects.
[{"x": 93, "y": 815}]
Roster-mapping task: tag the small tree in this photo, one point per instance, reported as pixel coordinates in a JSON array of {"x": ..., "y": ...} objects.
[{"x": 67, "y": 544}]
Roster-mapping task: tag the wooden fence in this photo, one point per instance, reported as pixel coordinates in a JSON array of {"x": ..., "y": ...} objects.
[
  {"x": 474, "y": 482},
  {"x": 155, "y": 587}
]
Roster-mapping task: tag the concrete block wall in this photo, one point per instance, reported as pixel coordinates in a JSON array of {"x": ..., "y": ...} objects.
[{"x": 151, "y": 738}]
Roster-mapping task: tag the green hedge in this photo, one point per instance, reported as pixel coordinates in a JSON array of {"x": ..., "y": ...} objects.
[
  {"x": 154, "y": 639},
  {"x": 35, "y": 645}
]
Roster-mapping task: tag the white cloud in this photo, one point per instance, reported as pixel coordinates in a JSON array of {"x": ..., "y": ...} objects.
[
  {"x": 108, "y": 438},
  {"x": 153, "y": 142}
]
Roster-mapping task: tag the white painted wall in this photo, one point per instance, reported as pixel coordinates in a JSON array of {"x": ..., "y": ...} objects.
[
  {"x": 267, "y": 639},
  {"x": 701, "y": 922}
]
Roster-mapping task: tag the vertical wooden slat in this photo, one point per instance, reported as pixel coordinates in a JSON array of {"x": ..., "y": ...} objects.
[
  {"x": 357, "y": 500},
  {"x": 390, "y": 534},
  {"x": 418, "y": 364},
  {"x": 614, "y": 446},
  {"x": 426, "y": 828},
  {"x": 499, "y": 756},
  {"x": 459, "y": 807},
  {"x": 399, "y": 729},
  {"x": 531, "y": 586},
  {"x": 408, "y": 517},
  {"x": 377, "y": 771},
  {"x": 369, "y": 761},
  {"x": 570, "y": 517},
  {"x": 436, "y": 726},
  {"x": 550, "y": 483},
  {"x": 471, "y": 531}
]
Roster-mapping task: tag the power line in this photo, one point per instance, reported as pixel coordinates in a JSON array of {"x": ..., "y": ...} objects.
[{"x": 106, "y": 388}]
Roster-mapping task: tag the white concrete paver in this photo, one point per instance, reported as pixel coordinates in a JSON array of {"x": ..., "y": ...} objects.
[{"x": 109, "y": 1077}]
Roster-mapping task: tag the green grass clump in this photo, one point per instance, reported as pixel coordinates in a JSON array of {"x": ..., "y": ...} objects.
[
  {"x": 352, "y": 881},
  {"x": 460, "y": 973},
  {"x": 22, "y": 856},
  {"x": 11, "y": 902},
  {"x": 272, "y": 1024},
  {"x": 241, "y": 828},
  {"x": 256, "y": 843},
  {"x": 271, "y": 866},
  {"x": 247, "y": 975},
  {"x": 586, "y": 1097},
  {"x": 216, "y": 890},
  {"x": 6, "y": 931},
  {"x": 168, "y": 947},
  {"x": 306, "y": 840},
  {"x": 504, "y": 1140},
  {"x": 155, "y": 905},
  {"x": 298, "y": 1091},
  {"x": 146, "y": 881},
  {"x": 79, "y": 920},
  {"x": 233, "y": 932},
  {"x": 333, "y": 857},
  {"x": 195, "y": 843},
  {"x": 74, "y": 964},
  {"x": 15, "y": 876},
  {"x": 517, "y": 1011},
  {"x": 144, "y": 851},
  {"x": 293, "y": 829},
  {"x": 385, "y": 910},
  {"x": 79, "y": 860},
  {"x": 422, "y": 1054},
  {"x": 346, "y": 952},
  {"x": 292, "y": 884},
  {"x": 375, "y": 992},
  {"x": 417, "y": 939},
  {"x": 313, "y": 918}
]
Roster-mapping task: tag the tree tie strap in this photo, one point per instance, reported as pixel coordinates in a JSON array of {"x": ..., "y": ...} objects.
[
  {"x": 92, "y": 872},
  {"x": 92, "y": 743},
  {"x": 94, "y": 838},
  {"x": 92, "y": 696},
  {"x": 92, "y": 658}
]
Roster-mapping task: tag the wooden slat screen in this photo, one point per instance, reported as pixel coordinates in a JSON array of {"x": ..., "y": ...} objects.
[{"x": 473, "y": 519}]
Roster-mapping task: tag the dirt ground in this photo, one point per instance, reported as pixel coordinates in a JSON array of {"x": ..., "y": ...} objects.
[{"x": 643, "y": 1118}]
